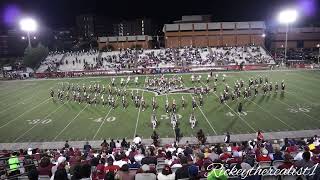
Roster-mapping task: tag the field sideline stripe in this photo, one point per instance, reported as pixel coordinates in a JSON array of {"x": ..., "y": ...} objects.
[
  {"x": 170, "y": 74},
  {"x": 25, "y": 112},
  {"x": 39, "y": 123},
  {"x": 237, "y": 115},
  {"x": 273, "y": 115},
  {"x": 135, "y": 130},
  {"x": 70, "y": 123},
  {"x": 302, "y": 112}
]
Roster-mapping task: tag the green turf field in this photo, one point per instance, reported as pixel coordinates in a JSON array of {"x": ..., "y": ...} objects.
[{"x": 28, "y": 114}]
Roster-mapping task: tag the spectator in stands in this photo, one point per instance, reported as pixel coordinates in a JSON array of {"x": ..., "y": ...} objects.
[
  {"x": 264, "y": 156},
  {"x": 100, "y": 170},
  {"x": 118, "y": 144},
  {"x": 104, "y": 144},
  {"x": 193, "y": 172},
  {"x": 45, "y": 167},
  {"x": 227, "y": 138},
  {"x": 85, "y": 172},
  {"x": 87, "y": 147},
  {"x": 183, "y": 171},
  {"x": 112, "y": 145},
  {"x": 14, "y": 164},
  {"x": 145, "y": 172},
  {"x": 305, "y": 162},
  {"x": 60, "y": 165},
  {"x": 166, "y": 174},
  {"x": 278, "y": 155},
  {"x": 66, "y": 145},
  {"x": 299, "y": 156},
  {"x": 124, "y": 143},
  {"x": 287, "y": 162},
  {"x": 61, "y": 174},
  {"x": 110, "y": 167},
  {"x": 260, "y": 135},
  {"x": 133, "y": 164},
  {"x": 33, "y": 174},
  {"x": 137, "y": 139},
  {"x": 76, "y": 172},
  {"x": 125, "y": 174}
]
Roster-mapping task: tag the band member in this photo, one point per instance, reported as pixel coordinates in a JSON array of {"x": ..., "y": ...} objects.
[
  {"x": 113, "y": 103},
  {"x": 192, "y": 120},
  {"x": 201, "y": 100},
  {"x": 283, "y": 85},
  {"x": 154, "y": 103},
  {"x": 136, "y": 79},
  {"x": 167, "y": 106},
  {"x": 221, "y": 99},
  {"x": 183, "y": 102},
  {"x": 194, "y": 104},
  {"x": 143, "y": 104},
  {"x": 51, "y": 93},
  {"x": 102, "y": 100},
  {"x": 136, "y": 101},
  {"x": 154, "y": 120},
  {"x": 276, "y": 87},
  {"x": 174, "y": 106},
  {"x": 240, "y": 108},
  {"x": 124, "y": 103},
  {"x": 113, "y": 81}
]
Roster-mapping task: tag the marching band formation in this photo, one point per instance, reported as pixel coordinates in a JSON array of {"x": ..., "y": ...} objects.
[{"x": 107, "y": 95}]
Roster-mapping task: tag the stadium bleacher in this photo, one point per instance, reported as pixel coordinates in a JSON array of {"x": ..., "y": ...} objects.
[
  {"x": 157, "y": 58},
  {"x": 123, "y": 160}
]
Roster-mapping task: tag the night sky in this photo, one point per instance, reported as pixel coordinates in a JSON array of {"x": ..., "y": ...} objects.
[{"x": 62, "y": 13}]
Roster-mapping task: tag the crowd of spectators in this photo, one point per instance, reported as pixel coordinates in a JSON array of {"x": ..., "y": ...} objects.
[
  {"x": 298, "y": 54},
  {"x": 136, "y": 160},
  {"x": 155, "y": 58}
]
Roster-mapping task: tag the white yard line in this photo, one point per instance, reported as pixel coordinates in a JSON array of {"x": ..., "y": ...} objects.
[
  {"x": 135, "y": 130},
  {"x": 97, "y": 132},
  {"x": 103, "y": 121},
  {"x": 215, "y": 132},
  {"x": 274, "y": 116},
  {"x": 25, "y": 112},
  {"x": 69, "y": 123},
  {"x": 38, "y": 123},
  {"x": 237, "y": 115},
  {"x": 10, "y": 107},
  {"x": 302, "y": 112}
]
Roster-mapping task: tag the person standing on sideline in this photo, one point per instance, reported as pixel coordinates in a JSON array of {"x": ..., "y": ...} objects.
[
  {"x": 177, "y": 133},
  {"x": 227, "y": 138},
  {"x": 240, "y": 108}
]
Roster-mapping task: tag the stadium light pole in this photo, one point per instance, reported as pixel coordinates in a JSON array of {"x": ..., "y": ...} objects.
[
  {"x": 318, "y": 46},
  {"x": 28, "y": 25},
  {"x": 287, "y": 17}
]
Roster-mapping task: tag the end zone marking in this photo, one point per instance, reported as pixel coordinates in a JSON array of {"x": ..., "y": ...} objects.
[
  {"x": 25, "y": 112},
  {"x": 69, "y": 123}
]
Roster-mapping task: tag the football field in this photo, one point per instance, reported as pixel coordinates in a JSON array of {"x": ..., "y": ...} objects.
[{"x": 29, "y": 114}]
